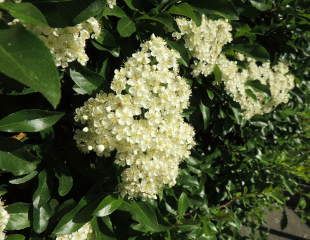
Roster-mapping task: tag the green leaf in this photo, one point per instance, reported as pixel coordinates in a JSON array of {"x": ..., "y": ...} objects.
[
  {"x": 205, "y": 111},
  {"x": 107, "y": 206},
  {"x": 217, "y": 74},
  {"x": 126, "y": 27},
  {"x": 65, "y": 183},
  {"x": 66, "y": 224},
  {"x": 185, "y": 58},
  {"x": 116, "y": 11},
  {"x": 183, "y": 204},
  {"x": 251, "y": 94},
  {"x": 145, "y": 215},
  {"x": 88, "y": 81},
  {"x": 25, "y": 58},
  {"x": 93, "y": 9},
  {"x": 130, "y": 4},
  {"x": 107, "y": 42},
  {"x": 15, "y": 237},
  {"x": 97, "y": 231},
  {"x": 262, "y": 5},
  {"x": 258, "y": 86},
  {"x": 165, "y": 19},
  {"x": 15, "y": 158},
  {"x": 184, "y": 9},
  {"x": 223, "y": 8},
  {"x": 210, "y": 94},
  {"x": 24, "y": 179},
  {"x": 29, "y": 120},
  {"x": 19, "y": 216},
  {"x": 3, "y": 189},
  {"x": 25, "y": 12},
  {"x": 42, "y": 211},
  {"x": 254, "y": 50}
]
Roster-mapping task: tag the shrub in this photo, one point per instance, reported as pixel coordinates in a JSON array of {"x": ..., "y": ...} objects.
[{"x": 152, "y": 119}]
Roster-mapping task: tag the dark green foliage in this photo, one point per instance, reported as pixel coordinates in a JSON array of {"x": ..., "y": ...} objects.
[{"x": 238, "y": 169}]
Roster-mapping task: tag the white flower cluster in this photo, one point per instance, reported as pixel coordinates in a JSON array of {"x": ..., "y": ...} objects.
[
  {"x": 111, "y": 3},
  {"x": 68, "y": 44},
  {"x": 276, "y": 78},
  {"x": 84, "y": 233},
  {"x": 205, "y": 42},
  {"x": 142, "y": 121},
  {"x": 4, "y": 219}
]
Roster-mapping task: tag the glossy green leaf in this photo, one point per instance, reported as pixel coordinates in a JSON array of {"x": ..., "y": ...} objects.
[
  {"x": 130, "y": 4},
  {"x": 217, "y": 74},
  {"x": 107, "y": 42},
  {"x": 67, "y": 224},
  {"x": 24, "y": 179},
  {"x": 223, "y": 8},
  {"x": 185, "y": 58},
  {"x": 107, "y": 206},
  {"x": 258, "y": 86},
  {"x": 183, "y": 204},
  {"x": 93, "y": 9},
  {"x": 19, "y": 216},
  {"x": 166, "y": 20},
  {"x": 263, "y": 5},
  {"x": 184, "y": 9},
  {"x": 29, "y": 120},
  {"x": 15, "y": 158},
  {"x": 26, "y": 59},
  {"x": 98, "y": 231},
  {"x": 65, "y": 183},
  {"x": 254, "y": 50},
  {"x": 87, "y": 80},
  {"x": 26, "y": 12},
  {"x": 116, "y": 11},
  {"x": 126, "y": 27},
  {"x": 145, "y": 215},
  {"x": 205, "y": 111},
  {"x": 42, "y": 211}
]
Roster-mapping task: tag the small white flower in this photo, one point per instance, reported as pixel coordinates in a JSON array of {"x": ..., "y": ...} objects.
[
  {"x": 111, "y": 3},
  {"x": 84, "y": 233},
  {"x": 4, "y": 219}
]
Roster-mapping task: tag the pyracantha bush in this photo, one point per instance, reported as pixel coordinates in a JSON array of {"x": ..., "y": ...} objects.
[{"x": 154, "y": 119}]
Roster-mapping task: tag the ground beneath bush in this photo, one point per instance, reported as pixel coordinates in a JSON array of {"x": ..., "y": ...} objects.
[{"x": 295, "y": 229}]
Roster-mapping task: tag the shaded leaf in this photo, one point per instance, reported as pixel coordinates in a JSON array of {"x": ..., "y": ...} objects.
[
  {"x": 15, "y": 158},
  {"x": 26, "y": 59},
  {"x": 184, "y": 9},
  {"x": 19, "y": 216},
  {"x": 258, "y": 86},
  {"x": 183, "y": 204},
  {"x": 25, "y": 12},
  {"x": 263, "y": 5},
  {"x": 205, "y": 111},
  {"x": 254, "y": 50},
  {"x": 91, "y": 10},
  {"x": 126, "y": 27},
  {"x": 65, "y": 183}
]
